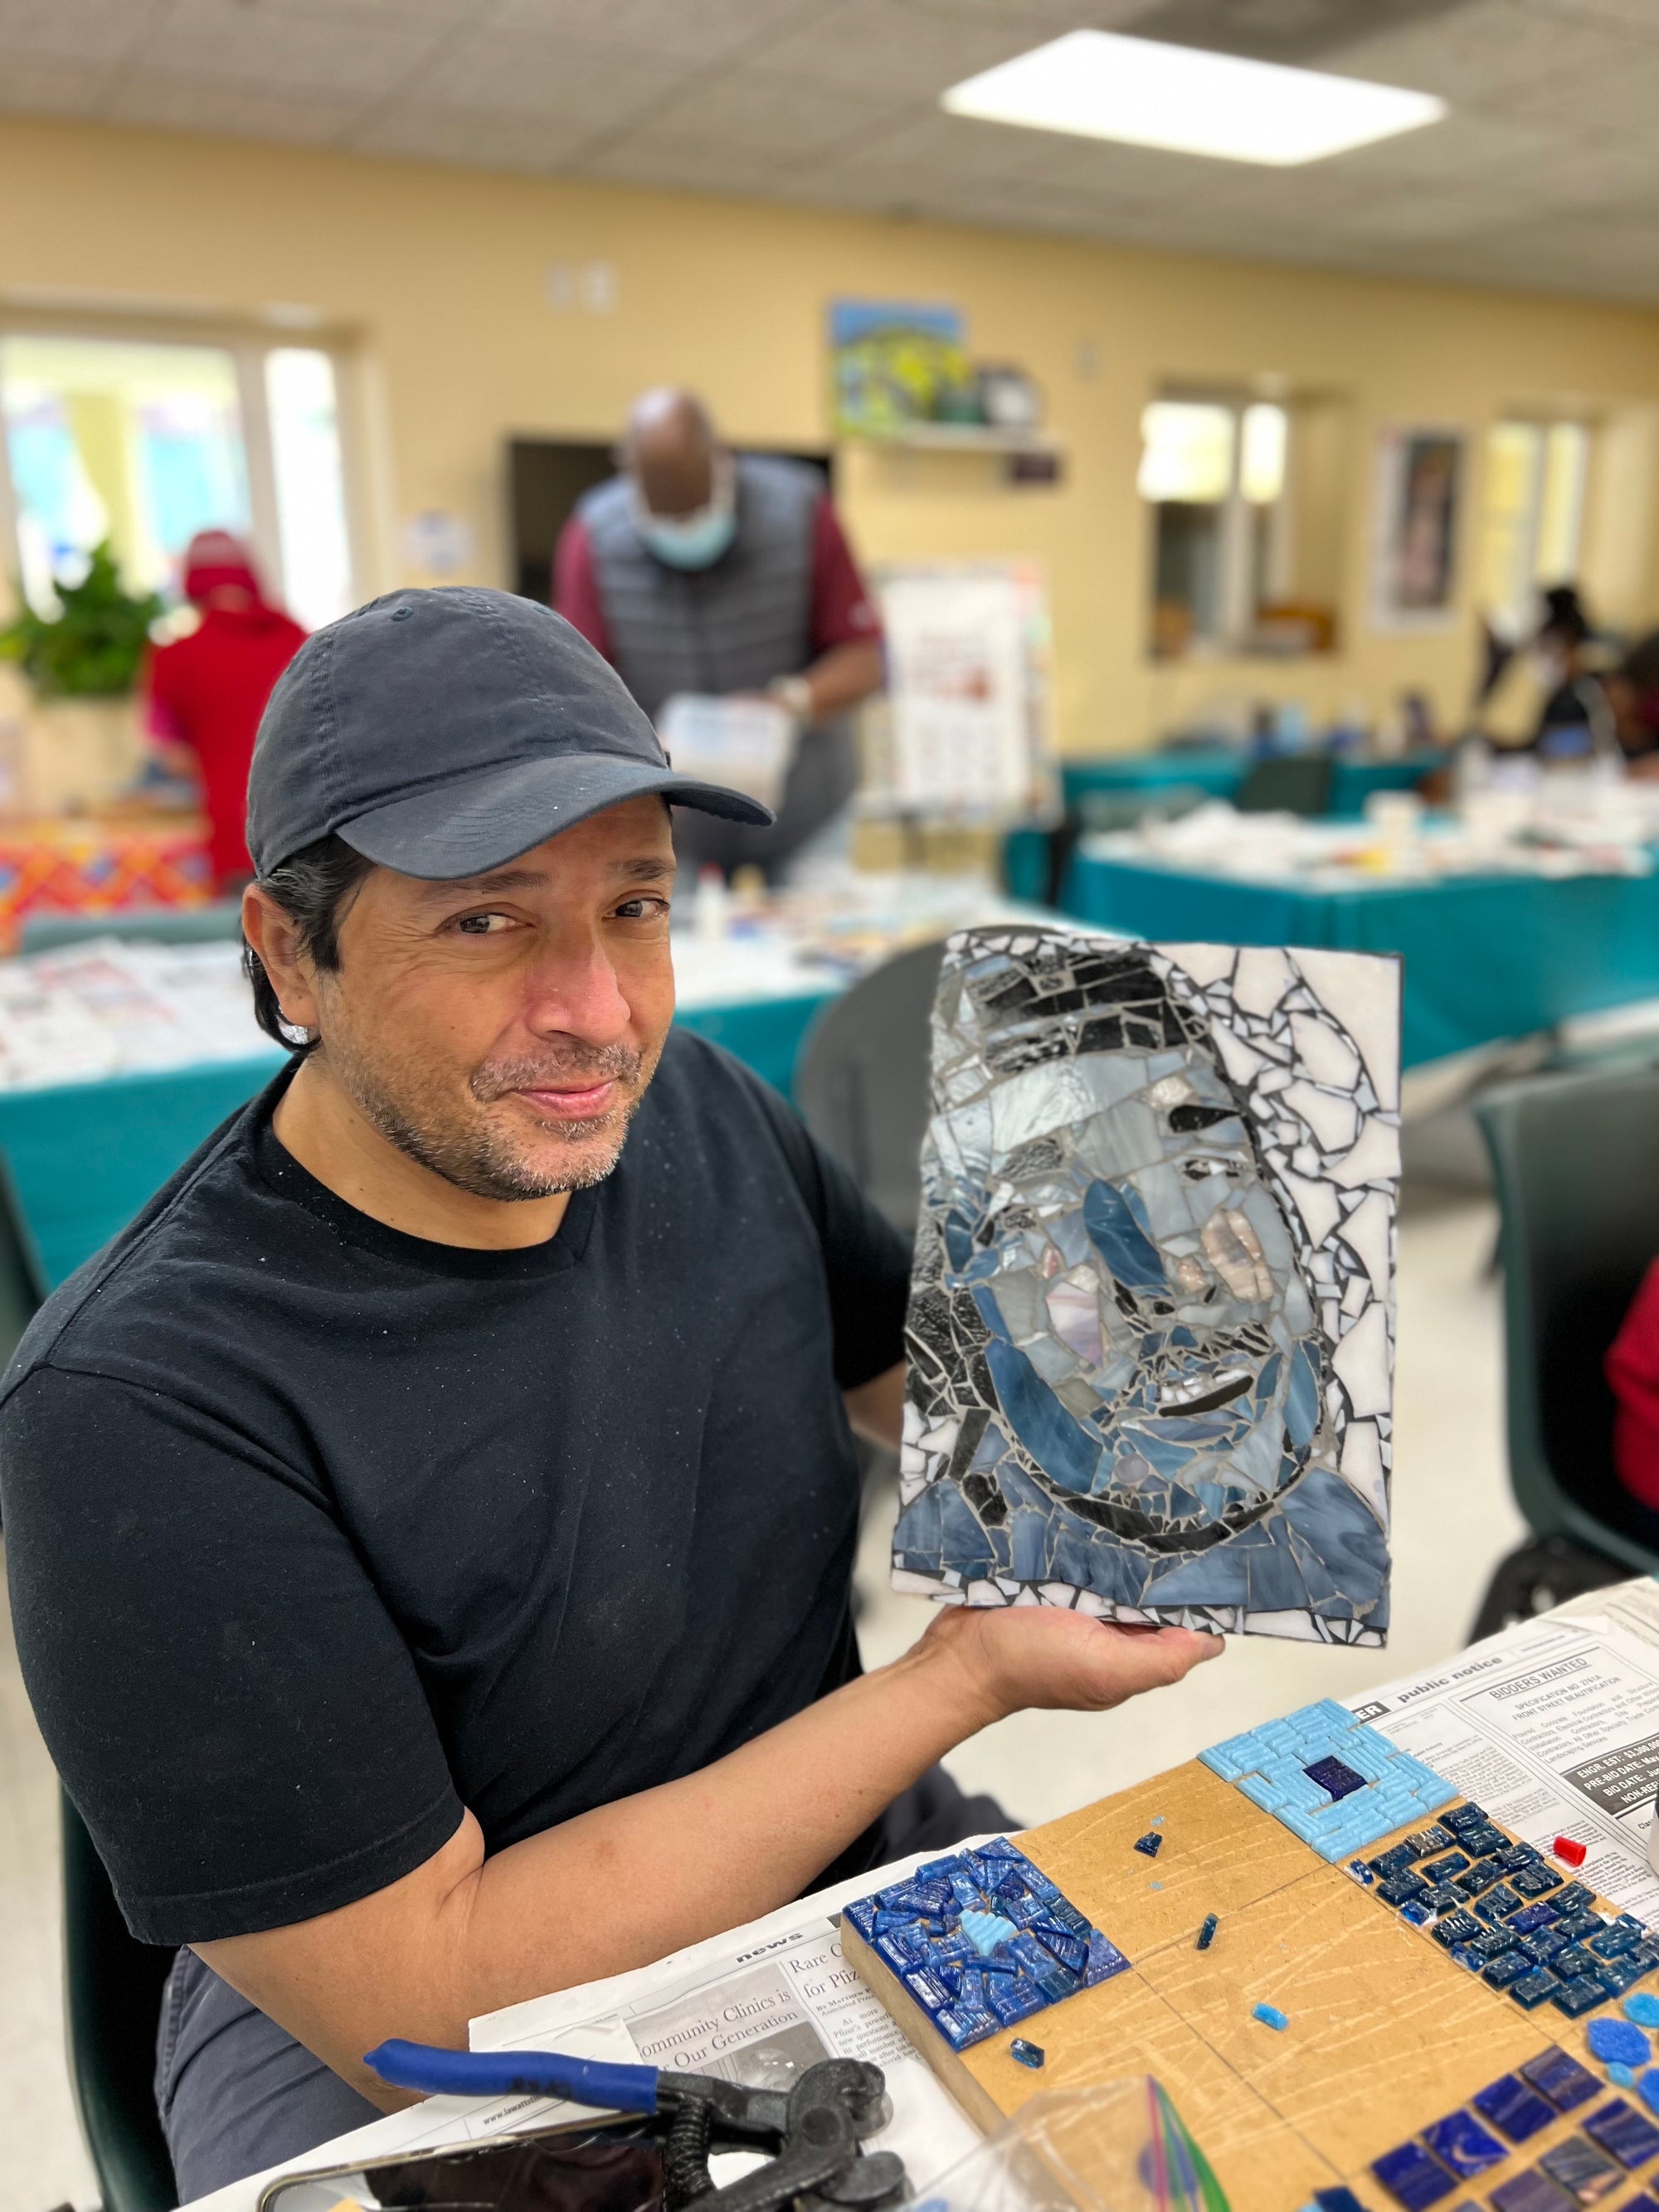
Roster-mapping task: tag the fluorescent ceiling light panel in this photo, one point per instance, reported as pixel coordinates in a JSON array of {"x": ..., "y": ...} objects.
[{"x": 1097, "y": 84}]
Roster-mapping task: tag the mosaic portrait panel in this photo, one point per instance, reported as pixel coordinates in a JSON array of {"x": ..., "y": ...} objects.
[{"x": 1152, "y": 1315}]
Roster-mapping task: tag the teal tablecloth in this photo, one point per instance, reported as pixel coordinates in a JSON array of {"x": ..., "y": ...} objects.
[
  {"x": 1485, "y": 957},
  {"x": 84, "y": 1157}
]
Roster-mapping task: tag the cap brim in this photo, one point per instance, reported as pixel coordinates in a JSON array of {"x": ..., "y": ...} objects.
[{"x": 466, "y": 825}]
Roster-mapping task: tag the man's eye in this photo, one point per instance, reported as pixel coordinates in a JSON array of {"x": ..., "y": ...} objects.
[
  {"x": 481, "y": 924},
  {"x": 641, "y": 910},
  {"x": 1200, "y": 1168}
]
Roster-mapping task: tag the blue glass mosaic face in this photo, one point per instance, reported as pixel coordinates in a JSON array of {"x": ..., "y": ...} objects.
[{"x": 1149, "y": 1326}]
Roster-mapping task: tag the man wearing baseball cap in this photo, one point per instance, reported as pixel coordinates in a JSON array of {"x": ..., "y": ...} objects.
[{"x": 431, "y": 1521}]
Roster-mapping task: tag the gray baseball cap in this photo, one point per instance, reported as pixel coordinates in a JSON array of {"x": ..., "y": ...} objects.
[{"x": 443, "y": 733}]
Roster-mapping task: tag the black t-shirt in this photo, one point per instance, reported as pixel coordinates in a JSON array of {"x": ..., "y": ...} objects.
[{"x": 318, "y": 1532}]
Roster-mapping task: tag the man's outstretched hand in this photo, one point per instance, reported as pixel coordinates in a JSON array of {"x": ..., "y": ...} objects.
[{"x": 1004, "y": 1659}]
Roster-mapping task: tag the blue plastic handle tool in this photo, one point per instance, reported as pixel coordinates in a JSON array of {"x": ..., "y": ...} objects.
[{"x": 589, "y": 2082}]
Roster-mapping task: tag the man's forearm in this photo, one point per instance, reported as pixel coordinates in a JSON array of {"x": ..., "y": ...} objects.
[
  {"x": 840, "y": 678},
  {"x": 612, "y": 1888}
]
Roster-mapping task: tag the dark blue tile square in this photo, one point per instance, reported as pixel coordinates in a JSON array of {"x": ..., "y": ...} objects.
[
  {"x": 1561, "y": 2079},
  {"x": 1577, "y": 1997},
  {"x": 1514, "y": 2110},
  {"x": 1409, "y": 2174},
  {"x": 1583, "y": 2171},
  {"x": 1534, "y": 1989},
  {"x": 1464, "y": 1816},
  {"x": 1629, "y": 2135},
  {"x": 1461, "y": 2143},
  {"x": 1334, "y": 1777},
  {"x": 1531, "y": 2191}
]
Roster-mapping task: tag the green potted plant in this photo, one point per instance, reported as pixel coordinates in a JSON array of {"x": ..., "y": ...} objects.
[{"x": 83, "y": 668}]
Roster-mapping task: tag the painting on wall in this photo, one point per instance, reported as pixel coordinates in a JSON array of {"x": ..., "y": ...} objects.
[
  {"x": 1152, "y": 1321},
  {"x": 1418, "y": 501}
]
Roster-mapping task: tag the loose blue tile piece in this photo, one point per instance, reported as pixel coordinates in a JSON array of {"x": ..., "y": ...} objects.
[
  {"x": 1579, "y": 1996},
  {"x": 1534, "y": 1989},
  {"x": 1504, "y": 1973},
  {"x": 1270, "y": 2015},
  {"x": 1363, "y": 1874},
  {"x": 1335, "y": 1778},
  {"x": 1514, "y": 2110},
  {"x": 1470, "y": 1815},
  {"x": 1409, "y": 2174},
  {"x": 1420, "y": 1912},
  {"x": 1621, "y": 2075},
  {"x": 1274, "y": 1768},
  {"x": 1457, "y": 1927},
  {"x": 1629, "y": 2135},
  {"x": 1561, "y": 2078},
  {"x": 1583, "y": 2171},
  {"x": 1427, "y": 1841},
  {"x": 1643, "y": 2010},
  {"x": 1028, "y": 2054},
  {"x": 1618, "y": 2038},
  {"x": 1404, "y": 1889},
  {"x": 1534, "y": 1881},
  {"x": 1455, "y": 1862},
  {"x": 1531, "y": 2191},
  {"x": 1461, "y": 2143},
  {"x": 1152, "y": 1843},
  {"x": 1337, "y": 2199},
  {"x": 1480, "y": 1841},
  {"x": 923, "y": 1928},
  {"x": 1643, "y": 2202},
  {"x": 1206, "y": 1933},
  {"x": 1392, "y": 1863},
  {"x": 1647, "y": 2087}
]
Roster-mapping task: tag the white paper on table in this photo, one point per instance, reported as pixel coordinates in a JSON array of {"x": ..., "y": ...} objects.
[
  {"x": 1553, "y": 1727},
  {"x": 745, "y": 742}
]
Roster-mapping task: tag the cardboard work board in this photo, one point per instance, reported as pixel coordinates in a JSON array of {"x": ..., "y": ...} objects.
[{"x": 1386, "y": 2033}]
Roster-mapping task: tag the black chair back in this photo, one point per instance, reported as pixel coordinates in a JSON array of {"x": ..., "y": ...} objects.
[{"x": 862, "y": 1082}]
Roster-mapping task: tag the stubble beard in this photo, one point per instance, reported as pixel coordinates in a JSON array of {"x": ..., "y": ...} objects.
[{"x": 418, "y": 1115}]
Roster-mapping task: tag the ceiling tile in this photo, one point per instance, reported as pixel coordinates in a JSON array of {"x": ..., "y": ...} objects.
[
  {"x": 1480, "y": 53},
  {"x": 168, "y": 104},
  {"x": 903, "y": 48},
  {"x": 279, "y": 49},
  {"x": 707, "y": 32},
  {"x": 552, "y": 80},
  {"x": 88, "y": 32},
  {"x": 1464, "y": 148},
  {"x": 1637, "y": 16},
  {"x": 752, "y": 110},
  {"x": 1604, "y": 103},
  {"x": 472, "y": 139},
  {"x": 692, "y": 165}
]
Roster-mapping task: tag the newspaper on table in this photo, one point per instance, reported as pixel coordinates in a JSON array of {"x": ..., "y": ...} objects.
[
  {"x": 1552, "y": 1726},
  {"x": 757, "y": 2005},
  {"x": 105, "y": 1008}
]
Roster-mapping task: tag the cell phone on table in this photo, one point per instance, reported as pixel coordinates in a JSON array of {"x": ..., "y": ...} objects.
[{"x": 617, "y": 2169}]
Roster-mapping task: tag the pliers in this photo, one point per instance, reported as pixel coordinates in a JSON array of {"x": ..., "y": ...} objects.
[{"x": 816, "y": 2130}]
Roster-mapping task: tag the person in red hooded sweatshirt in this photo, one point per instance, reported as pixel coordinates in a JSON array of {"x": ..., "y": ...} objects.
[{"x": 207, "y": 691}]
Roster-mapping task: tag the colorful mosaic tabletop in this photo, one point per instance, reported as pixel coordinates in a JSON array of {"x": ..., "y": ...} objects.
[
  {"x": 90, "y": 868},
  {"x": 981, "y": 1940},
  {"x": 1151, "y": 1326}
]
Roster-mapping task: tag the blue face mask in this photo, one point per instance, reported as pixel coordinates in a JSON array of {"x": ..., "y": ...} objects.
[{"x": 696, "y": 540}]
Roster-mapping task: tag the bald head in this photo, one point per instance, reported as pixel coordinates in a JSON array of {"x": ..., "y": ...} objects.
[{"x": 670, "y": 449}]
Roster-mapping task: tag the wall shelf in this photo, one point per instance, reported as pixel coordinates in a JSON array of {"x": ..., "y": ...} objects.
[{"x": 955, "y": 438}]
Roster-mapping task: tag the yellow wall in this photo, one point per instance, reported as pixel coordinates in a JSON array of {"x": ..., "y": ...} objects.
[{"x": 441, "y": 276}]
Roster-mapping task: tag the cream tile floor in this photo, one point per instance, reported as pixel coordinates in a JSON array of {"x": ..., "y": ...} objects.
[{"x": 1454, "y": 1520}]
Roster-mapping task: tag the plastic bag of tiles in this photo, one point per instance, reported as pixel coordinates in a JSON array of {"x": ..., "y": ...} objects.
[{"x": 1120, "y": 2147}]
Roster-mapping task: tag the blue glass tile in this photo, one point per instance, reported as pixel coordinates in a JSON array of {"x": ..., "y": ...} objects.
[
  {"x": 1493, "y": 1942},
  {"x": 1533, "y": 1989},
  {"x": 1514, "y": 2110},
  {"x": 1548, "y": 1945},
  {"x": 1361, "y": 1872},
  {"x": 1531, "y": 1917},
  {"x": 1392, "y": 1863},
  {"x": 1477, "y": 1842},
  {"x": 1270, "y": 2017},
  {"x": 1583, "y": 2171},
  {"x": 1403, "y": 1889},
  {"x": 1465, "y": 1955},
  {"x": 1579, "y": 1996},
  {"x": 1621, "y": 2076},
  {"x": 1447, "y": 1899},
  {"x": 1576, "y": 1926},
  {"x": 1465, "y": 1816},
  {"x": 1333, "y": 1775},
  {"x": 1629, "y": 2135},
  {"x": 1479, "y": 1878},
  {"x": 1531, "y": 2191},
  {"x": 1206, "y": 1933},
  {"x": 1027, "y": 2054},
  {"x": 1561, "y": 2078},
  {"x": 1457, "y": 1927},
  {"x": 1498, "y": 1904},
  {"x": 1643, "y": 2010},
  {"x": 1612, "y": 1941},
  {"x": 1337, "y": 2199},
  {"x": 1574, "y": 1896},
  {"x": 1455, "y": 1862},
  {"x": 1427, "y": 1841},
  {"x": 1504, "y": 1973},
  {"x": 1409, "y": 2174},
  {"x": 1534, "y": 1881},
  {"x": 1461, "y": 2143},
  {"x": 1150, "y": 1843},
  {"x": 1419, "y": 1912},
  {"x": 1618, "y": 1975},
  {"x": 1648, "y": 2088}
]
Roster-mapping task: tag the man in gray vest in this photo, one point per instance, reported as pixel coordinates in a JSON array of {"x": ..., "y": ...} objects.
[{"x": 702, "y": 571}]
